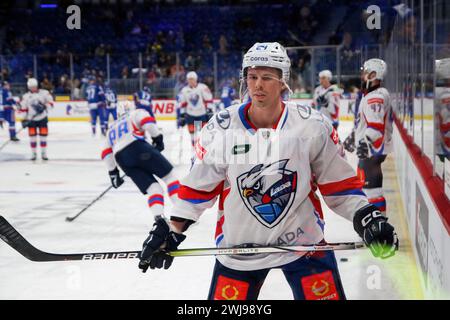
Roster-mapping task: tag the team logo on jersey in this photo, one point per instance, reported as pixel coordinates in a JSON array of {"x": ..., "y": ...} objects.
[
  {"x": 193, "y": 98},
  {"x": 223, "y": 119},
  {"x": 268, "y": 191},
  {"x": 304, "y": 111}
]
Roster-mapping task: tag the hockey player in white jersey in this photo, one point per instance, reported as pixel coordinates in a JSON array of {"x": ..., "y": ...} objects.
[
  {"x": 196, "y": 104},
  {"x": 126, "y": 147},
  {"x": 36, "y": 103},
  {"x": 373, "y": 132},
  {"x": 264, "y": 160},
  {"x": 327, "y": 97},
  {"x": 442, "y": 107}
]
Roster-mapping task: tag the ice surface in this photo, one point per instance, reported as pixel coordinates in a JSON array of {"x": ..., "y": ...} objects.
[{"x": 36, "y": 198}]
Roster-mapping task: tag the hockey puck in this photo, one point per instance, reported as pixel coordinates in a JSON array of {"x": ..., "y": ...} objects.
[
  {"x": 27, "y": 174},
  {"x": 344, "y": 260}
]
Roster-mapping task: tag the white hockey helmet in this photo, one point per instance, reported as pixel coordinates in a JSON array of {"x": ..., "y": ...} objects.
[
  {"x": 326, "y": 73},
  {"x": 192, "y": 75},
  {"x": 32, "y": 83},
  {"x": 124, "y": 107},
  {"x": 267, "y": 54},
  {"x": 375, "y": 65},
  {"x": 443, "y": 69}
]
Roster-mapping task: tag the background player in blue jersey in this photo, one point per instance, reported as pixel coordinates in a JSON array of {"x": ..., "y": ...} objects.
[
  {"x": 7, "y": 110},
  {"x": 143, "y": 100},
  {"x": 95, "y": 97},
  {"x": 111, "y": 103},
  {"x": 227, "y": 95}
]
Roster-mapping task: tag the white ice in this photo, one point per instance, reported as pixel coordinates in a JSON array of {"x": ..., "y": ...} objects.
[{"x": 36, "y": 197}]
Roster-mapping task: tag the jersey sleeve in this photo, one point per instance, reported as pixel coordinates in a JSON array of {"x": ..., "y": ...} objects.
[
  {"x": 107, "y": 155},
  {"x": 200, "y": 189},
  {"x": 146, "y": 122},
  {"x": 182, "y": 101},
  {"x": 207, "y": 95},
  {"x": 48, "y": 99},
  {"x": 337, "y": 181}
]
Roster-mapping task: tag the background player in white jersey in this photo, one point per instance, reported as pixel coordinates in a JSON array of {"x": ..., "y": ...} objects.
[
  {"x": 327, "y": 97},
  {"x": 35, "y": 103},
  {"x": 373, "y": 131},
  {"x": 196, "y": 104},
  {"x": 265, "y": 159},
  {"x": 442, "y": 105},
  {"x": 126, "y": 147}
]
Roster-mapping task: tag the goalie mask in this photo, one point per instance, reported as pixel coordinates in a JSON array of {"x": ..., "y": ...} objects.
[{"x": 266, "y": 54}]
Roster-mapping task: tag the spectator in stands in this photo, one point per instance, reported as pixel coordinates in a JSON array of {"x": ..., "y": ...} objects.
[
  {"x": 349, "y": 54},
  {"x": 223, "y": 45},
  {"x": 307, "y": 24},
  {"x": 46, "y": 84},
  {"x": 125, "y": 72},
  {"x": 5, "y": 74},
  {"x": 100, "y": 51}
]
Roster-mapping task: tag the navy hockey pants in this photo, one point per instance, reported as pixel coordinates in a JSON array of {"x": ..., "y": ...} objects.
[
  {"x": 140, "y": 161},
  {"x": 315, "y": 276}
]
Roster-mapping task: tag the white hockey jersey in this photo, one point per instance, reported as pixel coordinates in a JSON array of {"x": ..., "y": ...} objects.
[
  {"x": 442, "y": 104},
  {"x": 195, "y": 101},
  {"x": 124, "y": 131},
  {"x": 33, "y": 101},
  {"x": 266, "y": 181},
  {"x": 375, "y": 122},
  {"x": 327, "y": 101}
]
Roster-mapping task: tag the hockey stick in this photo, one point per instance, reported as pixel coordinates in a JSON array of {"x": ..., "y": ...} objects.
[
  {"x": 70, "y": 219},
  {"x": 21, "y": 245}
]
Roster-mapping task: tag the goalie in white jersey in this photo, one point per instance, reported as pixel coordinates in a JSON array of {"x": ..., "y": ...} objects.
[
  {"x": 36, "y": 103},
  {"x": 126, "y": 147},
  {"x": 195, "y": 103},
  {"x": 327, "y": 97},
  {"x": 264, "y": 160}
]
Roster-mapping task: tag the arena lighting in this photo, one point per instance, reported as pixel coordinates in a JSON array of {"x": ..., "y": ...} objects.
[{"x": 48, "y": 6}]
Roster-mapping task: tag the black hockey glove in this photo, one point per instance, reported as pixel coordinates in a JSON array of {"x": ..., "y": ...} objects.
[
  {"x": 156, "y": 248},
  {"x": 116, "y": 179},
  {"x": 209, "y": 113},
  {"x": 158, "y": 142},
  {"x": 349, "y": 142},
  {"x": 362, "y": 151},
  {"x": 376, "y": 232},
  {"x": 182, "y": 120},
  {"x": 25, "y": 123}
]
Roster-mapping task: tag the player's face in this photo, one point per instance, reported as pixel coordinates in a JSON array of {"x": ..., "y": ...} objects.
[
  {"x": 264, "y": 85},
  {"x": 192, "y": 82},
  {"x": 324, "y": 82}
]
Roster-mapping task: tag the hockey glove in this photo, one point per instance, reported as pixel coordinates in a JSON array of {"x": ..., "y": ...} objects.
[
  {"x": 158, "y": 142},
  {"x": 376, "y": 232},
  {"x": 156, "y": 248},
  {"x": 182, "y": 120},
  {"x": 362, "y": 151},
  {"x": 116, "y": 179},
  {"x": 349, "y": 142},
  {"x": 25, "y": 123}
]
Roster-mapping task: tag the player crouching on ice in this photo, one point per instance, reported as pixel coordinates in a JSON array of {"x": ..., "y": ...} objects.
[
  {"x": 126, "y": 146},
  {"x": 263, "y": 202}
]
